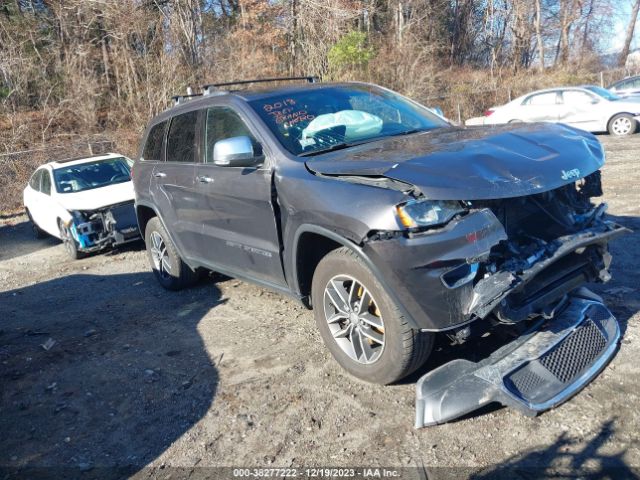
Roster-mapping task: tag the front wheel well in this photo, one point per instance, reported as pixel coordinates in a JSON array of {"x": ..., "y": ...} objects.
[
  {"x": 311, "y": 248},
  {"x": 144, "y": 214}
]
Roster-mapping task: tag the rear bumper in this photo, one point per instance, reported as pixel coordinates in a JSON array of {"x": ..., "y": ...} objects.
[{"x": 533, "y": 373}]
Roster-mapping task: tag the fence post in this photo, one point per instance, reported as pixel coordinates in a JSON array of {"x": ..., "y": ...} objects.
[
  {"x": 602, "y": 79},
  {"x": 459, "y": 113}
]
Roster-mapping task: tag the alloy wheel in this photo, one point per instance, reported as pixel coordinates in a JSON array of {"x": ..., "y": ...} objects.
[
  {"x": 354, "y": 319},
  {"x": 160, "y": 255}
]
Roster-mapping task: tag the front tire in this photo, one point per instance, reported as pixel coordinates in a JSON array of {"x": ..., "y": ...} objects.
[
  {"x": 170, "y": 270},
  {"x": 359, "y": 323},
  {"x": 70, "y": 244},
  {"x": 622, "y": 125}
]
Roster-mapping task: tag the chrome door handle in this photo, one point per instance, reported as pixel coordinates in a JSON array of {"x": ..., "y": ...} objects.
[
  {"x": 204, "y": 179},
  {"x": 159, "y": 174}
]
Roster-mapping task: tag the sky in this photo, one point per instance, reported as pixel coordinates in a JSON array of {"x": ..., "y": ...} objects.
[{"x": 621, "y": 19}]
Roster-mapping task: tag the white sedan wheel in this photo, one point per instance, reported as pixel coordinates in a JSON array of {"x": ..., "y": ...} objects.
[{"x": 622, "y": 125}]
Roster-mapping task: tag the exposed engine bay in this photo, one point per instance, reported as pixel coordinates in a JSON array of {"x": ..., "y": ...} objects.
[
  {"x": 556, "y": 241},
  {"x": 107, "y": 226}
]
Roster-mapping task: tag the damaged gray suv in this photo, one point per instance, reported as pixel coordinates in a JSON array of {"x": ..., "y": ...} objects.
[{"x": 393, "y": 225}]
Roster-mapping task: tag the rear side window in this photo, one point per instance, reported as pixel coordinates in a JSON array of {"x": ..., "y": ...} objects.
[
  {"x": 575, "y": 97},
  {"x": 46, "y": 182},
  {"x": 35, "y": 180},
  {"x": 548, "y": 98},
  {"x": 153, "y": 147},
  {"x": 181, "y": 140}
]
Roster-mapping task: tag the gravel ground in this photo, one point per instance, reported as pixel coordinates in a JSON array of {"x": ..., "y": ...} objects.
[{"x": 99, "y": 367}]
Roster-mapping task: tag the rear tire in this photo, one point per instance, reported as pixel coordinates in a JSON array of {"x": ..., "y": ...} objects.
[
  {"x": 37, "y": 231},
  {"x": 170, "y": 270},
  {"x": 622, "y": 125},
  {"x": 389, "y": 349}
]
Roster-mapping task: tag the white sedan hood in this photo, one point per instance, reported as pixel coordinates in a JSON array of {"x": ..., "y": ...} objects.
[{"x": 97, "y": 197}]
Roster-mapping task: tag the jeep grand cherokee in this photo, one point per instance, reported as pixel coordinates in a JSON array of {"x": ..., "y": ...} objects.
[{"x": 392, "y": 225}]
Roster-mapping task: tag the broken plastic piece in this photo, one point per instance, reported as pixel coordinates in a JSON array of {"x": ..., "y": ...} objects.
[{"x": 535, "y": 372}]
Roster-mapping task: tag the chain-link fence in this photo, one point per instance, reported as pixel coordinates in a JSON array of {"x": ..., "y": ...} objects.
[{"x": 16, "y": 167}]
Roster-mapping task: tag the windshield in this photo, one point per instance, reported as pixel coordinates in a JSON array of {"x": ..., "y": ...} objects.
[
  {"x": 85, "y": 176},
  {"x": 604, "y": 93},
  {"x": 317, "y": 120}
]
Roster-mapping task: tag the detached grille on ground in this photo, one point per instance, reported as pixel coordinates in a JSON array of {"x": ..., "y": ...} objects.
[
  {"x": 538, "y": 379},
  {"x": 576, "y": 353}
]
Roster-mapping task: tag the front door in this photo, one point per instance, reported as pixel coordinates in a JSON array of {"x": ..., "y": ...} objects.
[
  {"x": 235, "y": 206},
  {"x": 579, "y": 109}
]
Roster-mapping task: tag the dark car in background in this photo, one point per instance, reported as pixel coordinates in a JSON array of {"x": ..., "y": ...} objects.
[{"x": 394, "y": 226}]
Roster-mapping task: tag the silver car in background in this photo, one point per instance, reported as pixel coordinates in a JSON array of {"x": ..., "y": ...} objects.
[
  {"x": 589, "y": 108},
  {"x": 627, "y": 87}
]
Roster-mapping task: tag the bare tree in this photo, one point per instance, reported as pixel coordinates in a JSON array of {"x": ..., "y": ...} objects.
[
  {"x": 539, "y": 37},
  {"x": 629, "y": 36}
]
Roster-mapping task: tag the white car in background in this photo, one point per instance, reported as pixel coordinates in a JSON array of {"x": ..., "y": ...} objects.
[
  {"x": 88, "y": 203},
  {"x": 589, "y": 108}
]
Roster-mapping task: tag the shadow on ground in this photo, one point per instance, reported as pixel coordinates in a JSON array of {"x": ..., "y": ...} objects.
[
  {"x": 563, "y": 459},
  {"x": 101, "y": 371},
  {"x": 17, "y": 239}
]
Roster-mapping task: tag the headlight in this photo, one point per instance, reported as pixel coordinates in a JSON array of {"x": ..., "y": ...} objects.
[{"x": 427, "y": 213}]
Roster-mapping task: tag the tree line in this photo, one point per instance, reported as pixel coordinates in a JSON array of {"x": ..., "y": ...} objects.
[{"x": 113, "y": 64}]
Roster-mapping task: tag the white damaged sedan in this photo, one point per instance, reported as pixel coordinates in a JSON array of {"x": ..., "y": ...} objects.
[{"x": 88, "y": 203}]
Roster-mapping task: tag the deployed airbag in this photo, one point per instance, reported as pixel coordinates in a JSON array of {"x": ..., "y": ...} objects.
[{"x": 357, "y": 124}]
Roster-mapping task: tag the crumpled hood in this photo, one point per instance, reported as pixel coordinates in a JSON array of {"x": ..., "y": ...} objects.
[
  {"x": 98, "y": 197},
  {"x": 474, "y": 163}
]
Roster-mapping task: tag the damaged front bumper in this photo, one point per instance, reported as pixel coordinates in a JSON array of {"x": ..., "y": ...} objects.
[
  {"x": 436, "y": 274},
  {"x": 114, "y": 225},
  {"x": 535, "y": 372}
]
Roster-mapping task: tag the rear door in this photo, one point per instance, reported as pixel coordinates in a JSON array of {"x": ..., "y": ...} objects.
[
  {"x": 173, "y": 182},
  {"x": 39, "y": 202},
  {"x": 235, "y": 204},
  {"x": 49, "y": 209},
  {"x": 32, "y": 197}
]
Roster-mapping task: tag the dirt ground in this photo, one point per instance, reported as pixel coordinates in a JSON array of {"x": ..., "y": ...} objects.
[{"x": 230, "y": 374}]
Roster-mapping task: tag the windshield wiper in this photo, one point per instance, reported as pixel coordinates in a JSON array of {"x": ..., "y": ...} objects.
[
  {"x": 332, "y": 148},
  {"x": 409, "y": 132},
  {"x": 343, "y": 145}
]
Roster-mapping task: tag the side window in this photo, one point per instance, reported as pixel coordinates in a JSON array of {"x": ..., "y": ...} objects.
[
  {"x": 222, "y": 123},
  {"x": 181, "y": 141},
  {"x": 153, "y": 147},
  {"x": 35, "y": 180},
  {"x": 575, "y": 97},
  {"x": 46, "y": 183},
  {"x": 548, "y": 98}
]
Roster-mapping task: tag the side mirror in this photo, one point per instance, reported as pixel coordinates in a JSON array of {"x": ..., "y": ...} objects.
[{"x": 234, "y": 152}]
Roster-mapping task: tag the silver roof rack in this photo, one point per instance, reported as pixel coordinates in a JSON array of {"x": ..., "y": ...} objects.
[{"x": 212, "y": 87}]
